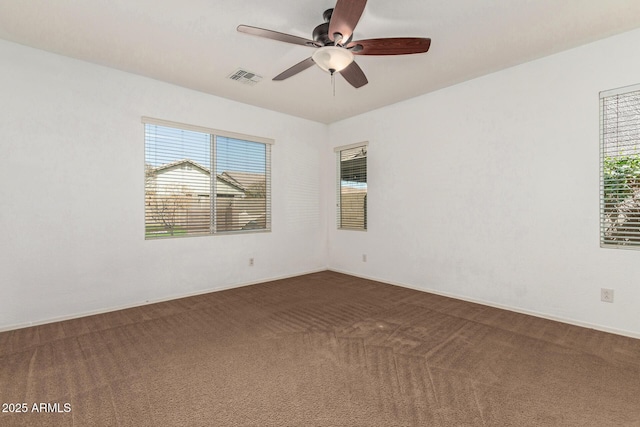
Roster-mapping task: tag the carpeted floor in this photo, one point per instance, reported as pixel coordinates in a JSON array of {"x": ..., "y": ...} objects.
[{"x": 324, "y": 349}]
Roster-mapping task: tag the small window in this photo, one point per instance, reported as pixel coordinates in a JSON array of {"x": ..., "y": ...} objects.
[
  {"x": 620, "y": 167},
  {"x": 185, "y": 165},
  {"x": 352, "y": 187}
]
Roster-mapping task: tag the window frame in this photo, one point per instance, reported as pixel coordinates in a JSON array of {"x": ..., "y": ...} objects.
[
  {"x": 214, "y": 134},
  {"x": 603, "y": 151},
  {"x": 339, "y": 202}
]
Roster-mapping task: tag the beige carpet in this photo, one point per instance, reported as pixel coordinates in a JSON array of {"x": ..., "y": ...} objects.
[{"x": 324, "y": 349}]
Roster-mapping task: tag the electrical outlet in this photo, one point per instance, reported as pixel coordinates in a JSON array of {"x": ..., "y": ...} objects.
[
  {"x": 364, "y": 257},
  {"x": 250, "y": 262},
  {"x": 606, "y": 295}
]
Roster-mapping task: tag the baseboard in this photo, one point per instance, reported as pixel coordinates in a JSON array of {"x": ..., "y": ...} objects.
[
  {"x": 547, "y": 316},
  {"x": 148, "y": 302}
]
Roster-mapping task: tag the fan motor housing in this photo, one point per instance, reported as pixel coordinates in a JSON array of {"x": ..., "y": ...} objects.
[{"x": 321, "y": 32}]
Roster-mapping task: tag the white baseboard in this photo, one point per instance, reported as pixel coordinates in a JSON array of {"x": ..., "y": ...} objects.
[
  {"x": 547, "y": 316},
  {"x": 264, "y": 280},
  {"x": 153, "y": 301}
]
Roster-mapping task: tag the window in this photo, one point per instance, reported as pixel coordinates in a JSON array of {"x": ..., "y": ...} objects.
[
  {"x": 200, "y": 181},
  {"x": 352, "y": 187},
  {"x": 620, "y": 167}
]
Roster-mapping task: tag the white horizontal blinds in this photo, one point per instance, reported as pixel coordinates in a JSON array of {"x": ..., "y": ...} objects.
[
  {"x": 352, "y": 188},
  {"x": 243, "y": 190},
  {"x": 620, "y": 168},
  {"x": 177, "y": 182},
  {"x": 182, "y": 198}
]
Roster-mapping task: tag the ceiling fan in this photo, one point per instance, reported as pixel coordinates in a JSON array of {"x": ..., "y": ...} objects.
[{"x": 335, "y": 48}]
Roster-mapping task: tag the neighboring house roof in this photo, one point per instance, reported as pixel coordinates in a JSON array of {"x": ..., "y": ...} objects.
[
  {"x": 230, "y": 181},
  {"x": 224, "y": 177},
  {"x": 245, "y": 180},
  {"x": 180, "y": 163}
]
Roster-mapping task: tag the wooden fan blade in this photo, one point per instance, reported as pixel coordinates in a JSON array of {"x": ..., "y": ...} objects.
[
  {"x": 274, "y": 35},
  {"x": 354, "y": 75},
  {"x": 345, "y": 17},
  {"x": 300, "y": 66},
  {"x": 390, "y": 46}
]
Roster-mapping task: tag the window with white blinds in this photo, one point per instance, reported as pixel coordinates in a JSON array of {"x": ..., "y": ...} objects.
[
  {"x": 200, "y": 181},
  {"x": 620, "y": 167},
  {"x": 352, "y": 187}
]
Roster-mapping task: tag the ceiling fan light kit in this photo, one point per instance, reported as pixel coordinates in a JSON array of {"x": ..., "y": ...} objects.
[
  {"x": 332, "y": 58},
  {"x": 335, "y": 50}
]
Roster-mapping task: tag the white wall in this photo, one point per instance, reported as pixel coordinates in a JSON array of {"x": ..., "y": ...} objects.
[
  {"x": 494, "y": 183},
  {"x": 488, "y": 191},
  {"x": 72, "y": 192}
]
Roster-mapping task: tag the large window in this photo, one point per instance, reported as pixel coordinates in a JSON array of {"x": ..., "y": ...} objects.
[
  {"x": 200, "y": 181},
  {"x": 620, "y": 167},
  {"x": 352, "y": 187}
]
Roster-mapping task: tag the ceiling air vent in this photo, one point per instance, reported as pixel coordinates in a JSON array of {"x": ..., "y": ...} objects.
[{"x": 244, "y": 76}]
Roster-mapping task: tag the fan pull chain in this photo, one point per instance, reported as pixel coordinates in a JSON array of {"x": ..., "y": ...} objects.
[{"x": 333, "y": 84}]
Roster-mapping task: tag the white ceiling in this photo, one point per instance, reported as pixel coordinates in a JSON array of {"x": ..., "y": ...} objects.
[{"x": 194, "y": 43}]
